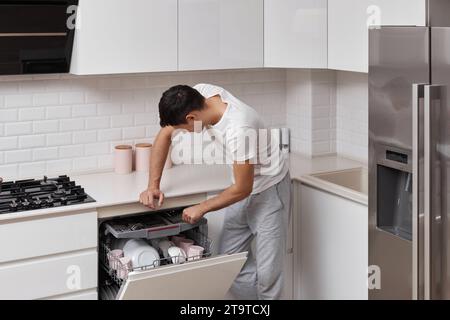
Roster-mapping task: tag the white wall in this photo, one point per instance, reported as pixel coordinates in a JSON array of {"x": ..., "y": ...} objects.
[
  {"x": 311, "y": 111},
  {"x": 65, "y": 124},
  {"x": 352, "y": 115}
]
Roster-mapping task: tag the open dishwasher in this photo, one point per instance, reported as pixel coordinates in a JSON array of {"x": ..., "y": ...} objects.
[{"x": 178, "y": 275}]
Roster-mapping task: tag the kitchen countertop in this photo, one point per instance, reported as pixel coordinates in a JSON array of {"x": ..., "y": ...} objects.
[{"x": 110, "y": 189}]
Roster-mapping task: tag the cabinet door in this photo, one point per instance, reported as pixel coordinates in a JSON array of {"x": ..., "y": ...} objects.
[
  {"x": 333, "y": 247},
  {"x": 295, "y": 33},
  {"x": 116, "y": 36},
  {"x": 206, "y": 279},
  {"x": 220, "y": 34},
  {"x": 348, "y": 22},
  {"x": 49, "y": 276}
]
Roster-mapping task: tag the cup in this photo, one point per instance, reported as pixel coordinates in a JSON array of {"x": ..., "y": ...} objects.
[
  {"x": 113, "y": 258},
  {"x": 195, "y": 252},
  {"x": 124, "y": 267},
  {"x": 123, "y": 159},
  {"x": 164, "y": 246},
  {"x": 177, "y": 239},
  {"x": 177, "y": 255},
  {"x": 142, "y": 157},
  {"x": 185, "y": 244}
]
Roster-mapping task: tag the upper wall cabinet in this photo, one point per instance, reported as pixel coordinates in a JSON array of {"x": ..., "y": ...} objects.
[
  {"x": 348, "y": 22},
  {"x": 220, "y": 34},
  {"x": 116, "y": 36},
  {"x": 295, "y": 33}
]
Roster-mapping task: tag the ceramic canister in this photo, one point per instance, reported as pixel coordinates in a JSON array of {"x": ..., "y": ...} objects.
[
  {"x": 123, "y": 159},
  {"x": 142, "y": 158}
]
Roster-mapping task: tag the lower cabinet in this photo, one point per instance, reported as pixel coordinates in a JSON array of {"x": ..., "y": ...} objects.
[
  {"x": 49, "y": 257},
  {"x": 332, "y": 246}
]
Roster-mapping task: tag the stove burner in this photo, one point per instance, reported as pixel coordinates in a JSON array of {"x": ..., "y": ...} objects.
[{"x": 24, "y": 195}]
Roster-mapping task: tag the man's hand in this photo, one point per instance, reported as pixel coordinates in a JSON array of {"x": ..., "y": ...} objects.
[
  {"x": 193, "y": 214},
  {"x": 148, "y": 197}
]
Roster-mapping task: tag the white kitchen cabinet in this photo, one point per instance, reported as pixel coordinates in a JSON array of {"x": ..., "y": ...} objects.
[
  {"x": 49, "y": 276},
  {"x": 220, "y": 34},
  {"x": 48, "y": 235},
  {"x": 332, "y": 240},
  {"x": 116, "y": 36},
  {"x": 49, "y": 256},
  {"x": 295, "y": 33},
  {"x": 348, "y": 22}
]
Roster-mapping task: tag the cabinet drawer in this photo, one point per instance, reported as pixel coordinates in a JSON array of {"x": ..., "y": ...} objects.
[
  {"x": 46, "y": 277},
  {"x": 90, "y": 294},
  {"x": 200, "y": 280},
  {"x": 51, "y": 235}
]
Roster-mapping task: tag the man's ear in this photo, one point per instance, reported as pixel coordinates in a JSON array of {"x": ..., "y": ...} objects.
[{"x": 190, "y": 117}]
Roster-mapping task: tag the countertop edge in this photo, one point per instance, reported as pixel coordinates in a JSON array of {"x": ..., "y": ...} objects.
[{"x": 334, "y": 189}]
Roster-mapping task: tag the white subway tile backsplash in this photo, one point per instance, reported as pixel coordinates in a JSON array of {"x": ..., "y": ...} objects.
[
  {"x": 59, "y": 139},
  {"x": 32, "y": 141},
  {"x": 9, "y": 172},
  {"x": 9, "y": 88},
  {"x": 32, "y": 169},
  {"x": 81, "y": 137},
  {"x": 105, "y": 161},
  {"x": 110, "y": 134},
  {"x": 352, "y": 115},
  {"x": 72, "y": 97},
  {"x": 96, "y": 96},
  {"x": 8, "y": 115},
  {"x": 85, "y": 164},
  {"x": 133, "y": 107},
  {"x": 45, "y": 99},
  {"x": 45, "y": 154},
  {"x": 98, "y": 123},
  {"x": 63, "y": 123},
  {"x": 27, "y": 114},
  {"x": 45, "y": 126},
  {"x": 87, "y": 110},
  {"x": 17, "y": 156},
  {"x": 109, "y": 108},
  {"x": 18, "y": 128},
  {"x": 71, "y": 125},
  {"x": 58, "y": 167},
  {"x": 152, "y": 131},
  {"x": 71, "y": 151},
  {"x": 22, "y": 100},
  {"x": 109, "y": 83},
  {"x": 8, "y": 143},
  {"x": 143, "y": 119},
  {"x": 93, "y": 149},
  {"x": 59, "y": 112},
  {"x": 121, "y": 121},
  {"x": 133, "y": 132}
]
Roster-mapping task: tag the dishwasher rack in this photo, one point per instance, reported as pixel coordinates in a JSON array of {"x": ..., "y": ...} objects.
[
  {"x": 163, "y": 224},
  {"x": 114, "y": 275}
]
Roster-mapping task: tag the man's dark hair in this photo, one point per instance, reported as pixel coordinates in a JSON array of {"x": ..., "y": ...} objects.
[{"x": 176, "y": 103}]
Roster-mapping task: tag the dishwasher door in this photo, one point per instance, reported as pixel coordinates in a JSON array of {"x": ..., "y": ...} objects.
[{"x": 207, "y": 279}]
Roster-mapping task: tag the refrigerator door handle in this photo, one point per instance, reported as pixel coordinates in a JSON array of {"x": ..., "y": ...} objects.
[
  {"x": 432, "y": 245},
  {"x": 417, "y": 223}
]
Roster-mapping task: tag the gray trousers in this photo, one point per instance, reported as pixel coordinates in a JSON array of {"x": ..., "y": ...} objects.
[{"x": 264, "y": 218}]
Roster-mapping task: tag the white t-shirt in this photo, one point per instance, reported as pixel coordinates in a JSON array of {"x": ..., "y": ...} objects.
[{"x": 245, "y": 138}]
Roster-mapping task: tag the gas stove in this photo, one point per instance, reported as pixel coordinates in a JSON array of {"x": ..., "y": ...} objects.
[{"x": 31, "y": 194}]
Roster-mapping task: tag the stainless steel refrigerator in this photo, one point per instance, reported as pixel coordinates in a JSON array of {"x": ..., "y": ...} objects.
[{"x": 409, "y": 161}]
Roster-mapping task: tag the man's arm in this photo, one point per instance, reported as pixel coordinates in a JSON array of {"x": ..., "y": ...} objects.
[
  {"x": 241, "y": 189},
  {"x": 159, "y": 154}
]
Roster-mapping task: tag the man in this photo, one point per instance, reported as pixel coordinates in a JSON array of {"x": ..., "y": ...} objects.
[{"x": 257, "y": 204}]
